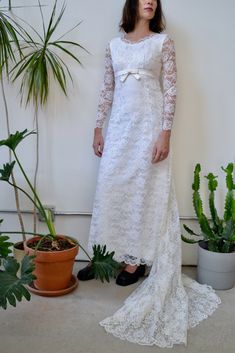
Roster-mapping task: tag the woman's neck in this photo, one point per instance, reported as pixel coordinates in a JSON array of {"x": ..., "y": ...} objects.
[{"x": 141, "y": 28}]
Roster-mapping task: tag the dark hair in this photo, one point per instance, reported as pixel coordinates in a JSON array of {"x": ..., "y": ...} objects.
[{"x": 130, "y": 17}]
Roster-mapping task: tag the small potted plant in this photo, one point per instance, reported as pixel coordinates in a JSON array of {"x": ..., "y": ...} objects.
[
  {"x": 54, "y": 254},
  {"x": 216, "y": 250}
]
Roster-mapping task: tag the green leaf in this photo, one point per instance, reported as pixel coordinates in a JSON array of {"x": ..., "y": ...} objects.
[
  {"x": 14, "y": 139},
  {"x": 6, "y": 172},
  {"x": 12, "y": 288},
  {"x": 11, "y": 266},
  {"x": 187, "y": 240},
  {"x": 229, "y": 229},
  {"x": 205, "y": 227},
  {"x": 57, "y": 70},
  {"x": 103, "y": 264},
  {"x": 8, "y": 41},
  {"x": 27, "y": 267},
  {"x": 190, "y": 231},
  {"x": 68, "y": 52},
  {"x": 69, "y": 42},
  {"x": 34, "y": 67},
  {"x": 4, "y": 246}
]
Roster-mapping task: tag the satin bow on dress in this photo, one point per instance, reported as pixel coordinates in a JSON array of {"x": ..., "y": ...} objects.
[{"x": 123, "y": 74}]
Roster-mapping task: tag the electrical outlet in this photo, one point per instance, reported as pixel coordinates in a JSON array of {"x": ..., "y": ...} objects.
[{"x": 47, "y": 208}]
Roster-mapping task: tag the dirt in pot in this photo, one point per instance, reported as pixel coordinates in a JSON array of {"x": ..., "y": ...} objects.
[
  {"x": 19, "y": 246},
  {"x": 48, "y": 244}
]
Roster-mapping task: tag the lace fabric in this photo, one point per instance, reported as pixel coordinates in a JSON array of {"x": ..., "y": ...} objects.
[
  {"x": 135, "y": 210},
  {"x": 169, "y": 79},
  {"x": 167, "y": 304},
  {"x": 138, "y": 41},
  {"x": 107, "y": 90}
]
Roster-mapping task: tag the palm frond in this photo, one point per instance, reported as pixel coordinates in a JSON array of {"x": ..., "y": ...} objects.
[
  {"x": 8, "y": 39},
  {"x": 43, "y": 22},
  {"x": 58, "y": 71},
  {"x": 67, "y": 52},
  {"x": 40, "y": 60}
]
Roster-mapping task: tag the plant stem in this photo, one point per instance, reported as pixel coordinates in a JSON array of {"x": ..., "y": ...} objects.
[
  {"x": 40, "y": 206},
  {"x": 29, "y": 233},
  {"x": 84, "y": 251},
  {"x": 17, "y": 199},
  {"x": 22, "y": 190},
  {"x": 43, "y": 235},
  {"x": 36, "y": 167}
]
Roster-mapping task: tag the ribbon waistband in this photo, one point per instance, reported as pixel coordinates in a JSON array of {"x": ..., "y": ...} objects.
[{"x": 123, "y": 74}]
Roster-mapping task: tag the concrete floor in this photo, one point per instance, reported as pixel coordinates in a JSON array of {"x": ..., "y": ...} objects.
[{"x": 70, "y": 323}]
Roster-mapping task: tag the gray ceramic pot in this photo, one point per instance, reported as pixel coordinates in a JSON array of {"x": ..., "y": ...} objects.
[{"x": 215, "y": 269}]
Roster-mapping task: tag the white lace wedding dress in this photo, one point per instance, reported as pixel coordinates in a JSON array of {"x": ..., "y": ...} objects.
[{"x": 135, "y": 211}]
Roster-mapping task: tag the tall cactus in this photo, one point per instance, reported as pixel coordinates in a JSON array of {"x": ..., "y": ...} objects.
[
  {"x": 198, "y": 206},
  {"x": 229, "y": 207},
  {"x": 220, "y": 235},
  {"x": 212, "y": 186}
]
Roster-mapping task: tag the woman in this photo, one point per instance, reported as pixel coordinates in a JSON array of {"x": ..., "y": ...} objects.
[
  {"x": 138, "y": 138},
  {"x": 135, "y": 211}
]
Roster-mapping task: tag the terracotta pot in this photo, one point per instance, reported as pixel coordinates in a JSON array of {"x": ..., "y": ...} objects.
[{"x": 53, "y": 269}]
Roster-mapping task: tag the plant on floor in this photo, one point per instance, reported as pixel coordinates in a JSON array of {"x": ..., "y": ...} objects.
[
  {"x": 11, "y": 40},
  {"x": 13, "y": 288},
  {"x": 37, "y": 57},
  {"x": 219, "y": 233},
  {"x": 103, "y": 263}
]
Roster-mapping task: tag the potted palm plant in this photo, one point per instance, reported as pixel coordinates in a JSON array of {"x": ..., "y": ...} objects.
[
  {"x": 35, "y": 58},
  {"x": 216, "y": 246},
  {"x": 10, "y": 33},
  {"x": 54, "y": 254}
]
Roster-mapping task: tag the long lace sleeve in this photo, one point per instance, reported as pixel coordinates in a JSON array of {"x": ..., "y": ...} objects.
[
  {"x": 169, "y": 77},
  {"x": 106, "y": 93}
]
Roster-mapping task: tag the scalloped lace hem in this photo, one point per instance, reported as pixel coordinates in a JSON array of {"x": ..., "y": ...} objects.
[
  {"x": 162, "y": 321},
  {"x": 131, "y": 260}
]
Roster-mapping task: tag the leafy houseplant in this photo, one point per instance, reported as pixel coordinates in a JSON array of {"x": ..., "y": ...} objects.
[
  {"x": 12, "y": 288},
  {"x": 35, "y": 58},
  {"x": 218, "y": 235},
  {"x": 10, "y": 31},
  {"x": 51, "y": 244}
]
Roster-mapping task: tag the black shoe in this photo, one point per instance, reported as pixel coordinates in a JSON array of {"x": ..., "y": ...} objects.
[
  {"x": 125, "y": 278},
  {"x": 86, "y": 273}
]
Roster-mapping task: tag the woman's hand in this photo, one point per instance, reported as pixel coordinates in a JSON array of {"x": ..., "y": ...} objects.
[
  {"x": 98, "y": 142},
  {"x": 161, "y": 146}
]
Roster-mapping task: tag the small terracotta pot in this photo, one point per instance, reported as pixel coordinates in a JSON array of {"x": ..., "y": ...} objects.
[{"x": 53, "y": 269}]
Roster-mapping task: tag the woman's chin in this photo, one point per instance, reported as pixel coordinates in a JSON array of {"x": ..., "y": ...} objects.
[{"x": 148, "y": 17}]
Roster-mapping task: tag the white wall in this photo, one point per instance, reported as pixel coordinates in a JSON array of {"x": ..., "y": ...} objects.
[{"x": 204, "y": 122}]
